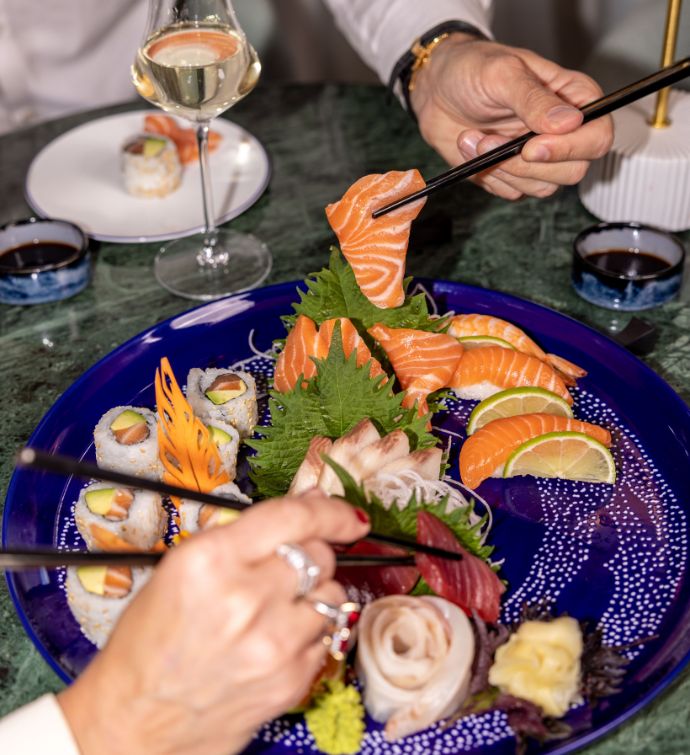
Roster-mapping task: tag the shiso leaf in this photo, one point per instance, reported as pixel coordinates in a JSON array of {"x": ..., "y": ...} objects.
[
  {"x": 333, "y": 292},
  {"x": 331, "y": 403}
]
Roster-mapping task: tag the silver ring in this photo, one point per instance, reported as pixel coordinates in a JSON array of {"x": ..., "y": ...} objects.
[
  {"x": 308, "y": 571},
  {"x": 341, "y": 623}
]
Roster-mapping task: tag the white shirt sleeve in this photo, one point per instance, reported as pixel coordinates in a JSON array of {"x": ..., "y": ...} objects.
[
  {"x": 37, "y": 727},
  {"x": 383, "y": 30}
]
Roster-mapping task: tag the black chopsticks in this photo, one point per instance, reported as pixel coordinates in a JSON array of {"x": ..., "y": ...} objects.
[
  {"x": 603, "y": 106},
  {"x": 34, "y": 458},
  {"x": 19, "y": 559}
]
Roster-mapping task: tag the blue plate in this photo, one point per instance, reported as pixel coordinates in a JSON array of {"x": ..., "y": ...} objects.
[{"x": 616, "y": 555}]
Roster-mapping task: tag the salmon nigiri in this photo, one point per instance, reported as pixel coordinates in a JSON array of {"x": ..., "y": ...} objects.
[
  {"x": 423, "y": 362},
  {"x": 467, "y": 326},
  {"x": 376, "y": 249},
  {"x": 490, "y": 369},
  {"x": 305, "y": 343},
  {"x": 184, "y": 138},
  {"x": 485, "y": 452}
]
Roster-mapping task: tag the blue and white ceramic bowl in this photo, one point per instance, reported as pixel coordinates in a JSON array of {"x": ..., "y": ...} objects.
[
  {"x": 624, "y": 291},
  {"x": 33, "y": 270}
]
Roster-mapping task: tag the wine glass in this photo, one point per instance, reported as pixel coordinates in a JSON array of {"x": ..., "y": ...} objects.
[{"x": 195, "y": 62}]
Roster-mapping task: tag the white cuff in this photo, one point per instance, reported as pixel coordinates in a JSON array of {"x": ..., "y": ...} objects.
[
  {"x": 38, "y": 727},
  {"x": 383, "y": 30}
]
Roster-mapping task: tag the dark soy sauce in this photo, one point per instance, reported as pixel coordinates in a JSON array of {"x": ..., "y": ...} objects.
[
  {"x": 628, "y": 262},
  {"x": 41, "y": 254}
]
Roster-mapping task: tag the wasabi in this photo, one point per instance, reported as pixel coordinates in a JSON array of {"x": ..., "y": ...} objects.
[{"x": 336, "y": 719}]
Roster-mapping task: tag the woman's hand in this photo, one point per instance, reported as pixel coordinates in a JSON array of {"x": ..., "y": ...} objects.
[
  {"x": 216, "y": 643},
  {"x": 474, "y": 96}
]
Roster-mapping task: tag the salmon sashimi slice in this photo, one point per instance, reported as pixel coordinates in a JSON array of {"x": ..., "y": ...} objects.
[
  {"x": 470, "y": 583},
  {"x": 490, "y": 369},
  {"x": 184, "y": 138},
  {"x": 352, "y": 341},
  {"x": 423, "y": 362},
  {"x": 485, "y": 452},
  {"x": 295, "y": 360},
  {"x": 376, "y": 249},
  {"x": 305, "y": 343},
  {"x": 465, "y": 326}
]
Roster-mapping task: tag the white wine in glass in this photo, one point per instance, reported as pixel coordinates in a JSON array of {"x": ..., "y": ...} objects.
[{"x": 196, "y": 63}]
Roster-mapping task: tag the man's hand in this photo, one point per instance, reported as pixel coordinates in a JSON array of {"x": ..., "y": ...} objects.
[{"x": 475, "y": 95}]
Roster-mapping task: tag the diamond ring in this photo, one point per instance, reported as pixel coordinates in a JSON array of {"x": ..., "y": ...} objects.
[
  {"x": 308, "y": 571},
  {"x": 341, "y": 622}
]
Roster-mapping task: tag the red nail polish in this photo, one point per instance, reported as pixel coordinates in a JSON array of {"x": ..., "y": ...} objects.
[{"x": 362, "y": 515}]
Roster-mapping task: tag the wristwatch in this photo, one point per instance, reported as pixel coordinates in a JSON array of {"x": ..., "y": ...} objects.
[{"x": 401, "y": 81}]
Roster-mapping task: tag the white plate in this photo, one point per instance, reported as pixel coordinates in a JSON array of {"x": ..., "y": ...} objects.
[{"x": 77, "y": 177}]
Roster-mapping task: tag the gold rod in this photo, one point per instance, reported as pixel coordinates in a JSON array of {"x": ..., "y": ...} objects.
[{"x": 660, "y": 119}]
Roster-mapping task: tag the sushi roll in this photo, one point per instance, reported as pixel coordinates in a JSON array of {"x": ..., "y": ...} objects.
[
  {"x": 197, "y": 516},
  {"x": 227, "y": 440},
  {"x": 97, "y": 596},
  {"x": 151, "y": 166},
  {"x": 126, "y": 440},
  {"x": 226, "y": 396},
  {"x": 133, "y": 515}
]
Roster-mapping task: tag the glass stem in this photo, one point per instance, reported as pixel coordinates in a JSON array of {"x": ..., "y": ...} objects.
[{"x": 207, "y": 256}]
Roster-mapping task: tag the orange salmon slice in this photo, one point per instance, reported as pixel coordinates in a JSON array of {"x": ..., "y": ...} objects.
[
  {"x": 487, "y": 450},
  {"x": 483, "y": 372},
  {"x": 423, "y": 362},
  {"x": 376, "y": 249}
]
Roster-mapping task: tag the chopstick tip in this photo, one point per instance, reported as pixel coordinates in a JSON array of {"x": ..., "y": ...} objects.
[{"x": 26, "y": 457}]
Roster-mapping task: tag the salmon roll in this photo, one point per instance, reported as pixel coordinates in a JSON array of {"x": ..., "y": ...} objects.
[
  {"x": 200, "y": 516},
  {"x": 151, "y": 166},
  {"x": 224, "y": 395},
  {"x": 97, "y": 596},
  {"x": 227, "y": 441},
  {"x": 126, "y": 440},
  {"x": 137, "y": 516}
]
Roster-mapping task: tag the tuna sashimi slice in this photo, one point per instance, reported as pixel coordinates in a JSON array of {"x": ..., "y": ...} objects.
[
  {"x": 470, "y": 583},
  {"x": 486, "y": 451},
  {"x": 375, "y": 582},
  {"x": 376, "y": 249}
]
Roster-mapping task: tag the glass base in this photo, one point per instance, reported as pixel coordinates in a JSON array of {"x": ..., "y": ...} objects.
[{"x": 244, "y": 262}]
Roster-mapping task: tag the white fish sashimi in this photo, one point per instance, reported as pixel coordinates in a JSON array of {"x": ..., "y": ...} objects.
[
  {"x": 307, "y": 475},
  {"x": 344, "y": 449},
  {"x": 381, "y": 452},
  {"x": 414, "y": 657}
]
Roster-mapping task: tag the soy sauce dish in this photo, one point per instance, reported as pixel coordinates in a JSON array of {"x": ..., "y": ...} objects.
[
  {"x": 627, "y": 266},
  {"x": 42, "y": 261}
]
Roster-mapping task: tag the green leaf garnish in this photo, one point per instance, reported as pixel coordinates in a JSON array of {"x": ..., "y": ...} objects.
[
  {"x": 332, "y": 402},
  {"x": 333, "y": 292}
]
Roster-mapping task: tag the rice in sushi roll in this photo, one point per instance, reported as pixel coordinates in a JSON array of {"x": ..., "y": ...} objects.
[
  {"x": 136, "y": 516},
  {"x": 197, "y": 516},
  {"x": 97, "y": 596},
  {"x": 151, "y": 166},
  {"x": 126, "y": 440},
  {"x": 227, "y": 441},
  {"x": 224, "y": 395}
]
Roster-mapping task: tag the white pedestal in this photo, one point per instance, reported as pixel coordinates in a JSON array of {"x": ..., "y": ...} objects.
[{"x": 646, "y": 175}]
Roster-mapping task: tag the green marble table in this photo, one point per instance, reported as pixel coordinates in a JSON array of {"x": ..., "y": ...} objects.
[{"x": 320, "y": 140}]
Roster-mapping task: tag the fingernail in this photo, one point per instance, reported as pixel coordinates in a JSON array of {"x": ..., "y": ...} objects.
[
  {"x": 362, "y": 515},
  {"x": 469, "y": 142},
  {"x": 539, "y": 154},
  {"x": 560, "y": 114}
]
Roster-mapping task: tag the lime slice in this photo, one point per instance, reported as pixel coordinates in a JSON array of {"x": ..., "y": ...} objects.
[
  {"x": 516, "y": 401},
  {"x": 472, "y": 342},
  {"x": 568, "y": 455}
]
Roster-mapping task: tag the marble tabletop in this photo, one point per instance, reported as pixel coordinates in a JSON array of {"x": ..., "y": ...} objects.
[{"x": 320, "y": 138}]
